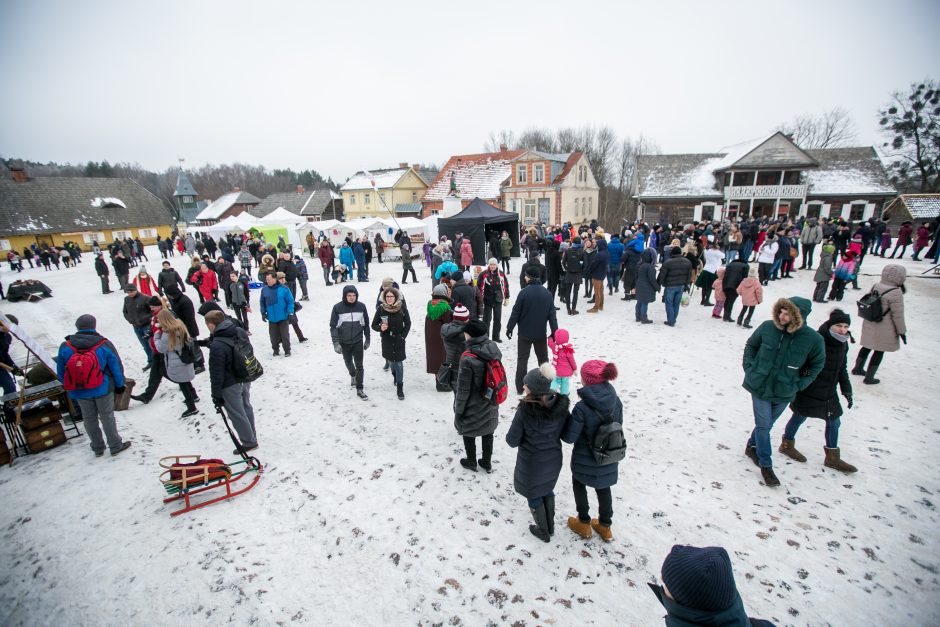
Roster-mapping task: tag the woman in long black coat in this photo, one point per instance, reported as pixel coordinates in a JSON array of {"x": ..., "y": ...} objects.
[
  {"x": 393, "y": 324},
  {"x": 475, "y": 415},
  {"x": 536, "y": 431},
  {"x": 646, "y": 285},
  {"x": 821, "y": 398},
  {"x": 552, "y": 265}
]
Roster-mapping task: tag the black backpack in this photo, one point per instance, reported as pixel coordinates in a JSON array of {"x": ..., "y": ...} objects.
[
  {"x": 246, "y": 366},
  {"x": 574, "y": 260},
  {"x": 870, "y": 308},
  {"x": 190, "y": 353},
  {"x": 609, "y": 445}
]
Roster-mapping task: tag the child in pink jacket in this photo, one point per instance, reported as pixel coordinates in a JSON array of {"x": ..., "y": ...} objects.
[
  {"x": 752, "y": 295},
  {"x": 562, "y": 360},
  {"x": 719, "y": 293}
]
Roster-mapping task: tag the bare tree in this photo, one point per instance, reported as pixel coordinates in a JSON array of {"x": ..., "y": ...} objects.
[
  {"x": 912, "y": 123},
  {"x": 627, "y": 152},
  {"x": 830, "y": 129},
  {"x": 504, "y": 137}
]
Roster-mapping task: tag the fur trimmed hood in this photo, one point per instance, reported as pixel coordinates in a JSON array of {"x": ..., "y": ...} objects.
[{"x": 798, "y": 308}]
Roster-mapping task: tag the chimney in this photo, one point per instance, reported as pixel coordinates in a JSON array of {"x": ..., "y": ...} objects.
[
  {"x": 19, "y": 174},
  {"x": 300, "y": 189},
  {"x": 403, "y": 165},
  {"x": 503, "y": 147}
]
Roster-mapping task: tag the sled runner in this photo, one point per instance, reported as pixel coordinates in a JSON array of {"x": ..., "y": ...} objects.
[{"x": 187, "y": 475}]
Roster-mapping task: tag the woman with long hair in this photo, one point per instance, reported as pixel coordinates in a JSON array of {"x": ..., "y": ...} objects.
[
  {"x": 393, "y": 323},
  {"x": 171, "y": 339}
]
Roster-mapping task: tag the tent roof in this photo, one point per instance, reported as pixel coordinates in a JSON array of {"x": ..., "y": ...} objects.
[
  {"x": 480, "y": 211},
  {"x": 281, "y": 216}
]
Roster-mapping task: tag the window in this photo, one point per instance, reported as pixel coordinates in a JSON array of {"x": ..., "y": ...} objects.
[
  {"x": 187, "y": 199},
  {"x": 352, "y": 199},
  {"x": 93, "y": 237},
  {"x": 148, "y": 233},
  {"x": 5, "y": 244},
  {"x": 539, "y": 173},
  {"x": 590, "y": 208},
  {"x": 382, "y": 196},
  {"x": 521, "y": 173},
  {"x": 121, "y": 234},
  {"x": 516, "y": 205},
  {"x": 857, "y": 211},
  {"x": 529, "y": 210},
  {"x": 367, "y": 199},
  {"x": 414, "y": 196},
  {"x": 577, "y": 206}
]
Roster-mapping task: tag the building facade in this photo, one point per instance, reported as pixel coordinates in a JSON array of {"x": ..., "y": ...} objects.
[
  {"x": 377, "y": 193},
  {"x": 480, "y": 175},
  {"x": 551, "y": 188},
  {"x": 314, "y": 205},
  {"x": 768, "y": 177},
  {"x": 53, "y": 210},
  {"x": 231, "y": 204}
]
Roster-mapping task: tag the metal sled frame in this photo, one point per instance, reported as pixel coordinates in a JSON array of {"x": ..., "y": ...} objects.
[{"x": 197, "y": 479}]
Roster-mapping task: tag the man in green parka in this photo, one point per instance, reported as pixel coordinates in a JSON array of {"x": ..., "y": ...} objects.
[{"x": 782, "y": 357}]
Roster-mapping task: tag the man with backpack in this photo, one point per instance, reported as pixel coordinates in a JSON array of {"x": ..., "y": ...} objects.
[
  {"x": 572, "y": 263},
  {"x": 90, "y": 370},
  {"x": 532, "y": 310},
  {"x": 229, "y": 349},
  {"x": 349, "y": 330}
]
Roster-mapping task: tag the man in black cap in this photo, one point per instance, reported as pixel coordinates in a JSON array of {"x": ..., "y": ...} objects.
[
  {"x": 137, "y": 313},
  {"x": 101, "y": 269},
  {"x": 532, "y": 311},
  {"x": 96, "y": 403},
  {"x": 698, "y": 589}
]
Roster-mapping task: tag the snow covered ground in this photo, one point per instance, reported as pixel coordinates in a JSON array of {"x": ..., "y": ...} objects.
[{"x": 364, "y": 517}]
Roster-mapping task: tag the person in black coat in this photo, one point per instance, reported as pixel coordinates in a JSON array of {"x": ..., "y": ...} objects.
[
  {"x": 121, "y": 268},
  {"x": 533, "y": 262},
  {"x": 646, "y": 284},
  {"x": 532, "y": 310},
  {"x": 393, "y": 323},
  {"x": 101, "y": 269},
  {"x": 598, "y": 402},
  {"x": 821, "y": 399},
  {"x": 183, "y": 308},
  {"x": 553, "y": 270},
  {"x": 168, "y": 277},
  {"x": 474, "y": 414},
  {"x": 735, "y": 272},
  {"x": 536, "y": 431},
  {"x": 464, "y": 294},
  {"x": 674, "y": 276},
  {"x": 494, "y": 291},
  {"x": 599, "y": 261}
]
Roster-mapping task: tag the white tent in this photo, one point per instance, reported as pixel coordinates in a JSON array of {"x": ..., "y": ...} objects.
[
  {"x": 232, "y": 224},
  {"x": 414, "y": 226},
  {"x": 430, "y": 223},
  {"x": 290, "y": 221}
]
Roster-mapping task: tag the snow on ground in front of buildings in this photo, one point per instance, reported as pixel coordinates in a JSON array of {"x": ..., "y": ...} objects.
[{"x": 363, "y": 515}]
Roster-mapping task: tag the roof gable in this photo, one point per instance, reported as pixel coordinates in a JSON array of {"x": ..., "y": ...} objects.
[
  {"x": 383, "y": 179},
  {"x": 183, "y": 186},
  {"x": 776, "y": 151},
  {"x": 225, "y": 202},
  {"x": 307, "y": 203}
]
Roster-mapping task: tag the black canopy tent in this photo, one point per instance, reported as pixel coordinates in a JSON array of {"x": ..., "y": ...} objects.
[{"x": 476, "y": 222}]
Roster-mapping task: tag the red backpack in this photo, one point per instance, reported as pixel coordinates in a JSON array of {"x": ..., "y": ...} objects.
[
  {"x": 82, "y": 370},
  {"x": 497, "y": 391}
]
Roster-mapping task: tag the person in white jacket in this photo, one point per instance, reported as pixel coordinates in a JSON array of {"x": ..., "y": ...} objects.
[{"x": 765, "y": 257}]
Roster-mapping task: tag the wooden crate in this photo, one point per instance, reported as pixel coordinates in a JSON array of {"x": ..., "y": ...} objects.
[{"x": 48, "y": 437}]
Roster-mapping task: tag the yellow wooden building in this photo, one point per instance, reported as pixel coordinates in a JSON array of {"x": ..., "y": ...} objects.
[
  {"x": 54, "y": 210},
  {"x": 368, "y": 193}
]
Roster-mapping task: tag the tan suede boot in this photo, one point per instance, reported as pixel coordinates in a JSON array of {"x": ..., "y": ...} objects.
[
  {"x": 788, "y": 448},
  {"x": 602, "y": 530},
  {"x": 834, "y": 461},
  {"x": 583, "y": 529}
]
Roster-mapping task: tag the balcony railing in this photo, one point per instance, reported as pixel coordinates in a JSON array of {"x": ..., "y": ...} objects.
[{"x": 764, "y": 191}]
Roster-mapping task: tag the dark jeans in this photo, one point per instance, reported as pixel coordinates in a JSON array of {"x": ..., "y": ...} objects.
[
  {"x": 241, "y": 314},
  {"x": 303, "y": 287},
  {"x": 494, "y": 311},
  {"x": 105, "y": 284},
  {"x": 613, "y": 277},
  {"x": 157, "y": 372},
  {"x": 140, "y": 332},
  {"x": 588, "y": 287},
  {"x": 672, "y": 296},
  {"x": 227, "y": 292},
  {"x": 832, "y": 429},
  {"x": 819, "y": 294},
  {"x": 903, "y": 250},
  {"x": 352, "y": 355},
  {"x": 641, "y": 310},
  {"x": 763, "y": 272},
  {"x": 765, "y": 415},
  {"x": 876, "y": 357},
  {"x": 808, "y": 256},
  {"x": 522, "y": 360},
  {"x": 189, "y": 394},
  {"x": 746, "y": 313},
  {"x": 570, "y": 293},
  {"x": 293, "y": 322},
  {"x": 404, "y": 275},
  {"x": 279, "y": 333},
  {"x": 730, "y": 296},
  {"x": 326, "y": 275},
  {"x": 505, "y": 263},
  {"x": 605, "y": 503}
]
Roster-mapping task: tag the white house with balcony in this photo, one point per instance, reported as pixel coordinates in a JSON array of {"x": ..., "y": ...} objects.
[{"x": 768, "y": 177}]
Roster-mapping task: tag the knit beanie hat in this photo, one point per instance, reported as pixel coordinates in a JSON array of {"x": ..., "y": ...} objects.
[
  {"x": 475, "y": 328},
  {"x": 461, "y": 313},
  {"x": 700, "y": 578},
  {"x": 155, "y": 301},
  {"x": 440, "y": 290},
  {"x": 533, "y": 273},
  {"x": 492, "y": 261},
  {"x": 86, "y": 322},
  {"x": 539, "y": 380},
  {"x": 387, "y": 282},
  {"x": 837, "y": 316},
  {"x": 456, "y": 276},
  {"x": 596, "y": 371}
]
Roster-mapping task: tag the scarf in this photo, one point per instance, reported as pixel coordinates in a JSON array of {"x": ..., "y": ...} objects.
[
  {"x": 437, "y": 308},
  {"x": 841, "y": 338}
]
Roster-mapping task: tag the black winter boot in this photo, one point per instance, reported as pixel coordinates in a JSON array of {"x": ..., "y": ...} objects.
[
  {"x": 470, "y": 461},
  {"x": 770, "y": 479},
  {"x": 485, "y": 461},
  {"x": 550, "y": 513},
  {"x": 859, "y": 365},
  {"x": 401, "y": 393},
  {"x": 540, "y": 528}
]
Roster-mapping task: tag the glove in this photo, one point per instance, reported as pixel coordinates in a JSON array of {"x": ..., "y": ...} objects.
[
  {"x": 119, "y": 389},
  {"x": 337, "y": 347},
  {"x": 17, "y": 371},
  {"x": 509, "y": 333},
  {"x": 218, "y": 401},
  {"x": 849, "y": 402},
  {"x": 365, "y": 344},
  {"x": 264, "y": 318},
  {"x": 904, "y": 338}
]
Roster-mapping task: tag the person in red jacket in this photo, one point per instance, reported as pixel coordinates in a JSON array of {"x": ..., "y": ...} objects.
[
  {"x": 325, "y": 255},
  {"x": 904, "y": 239},
  {"x": 922, "y": 241},
  {"x": 144, "y": 283},
  {"x": 206, "y": 283}
]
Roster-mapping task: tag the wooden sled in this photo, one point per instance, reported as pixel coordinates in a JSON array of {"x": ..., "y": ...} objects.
[{"x": 183, "y": 482}]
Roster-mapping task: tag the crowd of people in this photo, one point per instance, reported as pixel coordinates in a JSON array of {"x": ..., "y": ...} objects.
[{"x": 785, "y": 363}]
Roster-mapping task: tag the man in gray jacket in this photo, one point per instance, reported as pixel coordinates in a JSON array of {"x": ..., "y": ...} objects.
[{"x": 809, "y": 238}]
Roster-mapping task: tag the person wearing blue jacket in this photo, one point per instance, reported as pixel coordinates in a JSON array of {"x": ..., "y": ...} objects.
[
  {"x": 277, "y": 305},
  {"x": 598, "y": 401},
  {"x": 96, "y": 404},
  {"x": 445, "y": 269},
  {"x": 346, "y": 257},
  {"x": 614, "y": 254},
  {"x": 359, "y": 254}
]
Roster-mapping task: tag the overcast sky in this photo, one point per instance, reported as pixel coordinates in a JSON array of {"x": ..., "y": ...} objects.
[{"x": 341, "y": 86}]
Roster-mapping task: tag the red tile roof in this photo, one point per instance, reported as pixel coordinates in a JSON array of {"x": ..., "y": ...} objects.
[
  {"x": 478, "y": 175},
  {"x": 569, "y": 164}
]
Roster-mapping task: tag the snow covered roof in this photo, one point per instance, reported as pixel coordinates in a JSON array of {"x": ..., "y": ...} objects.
[
  {"x": 922, "y": 206},
  {"x": 223, "y": 203},
  {"x": 383, "y": 179},
  {"x": 60, "y": 204},
  {"x": 314, "y": 202},
  {"x": 677, "y": 176},
  {"x": 848, "y": 171},
  {"x": 183, "y": 186},
  {"x": 479, "y": 175}
]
